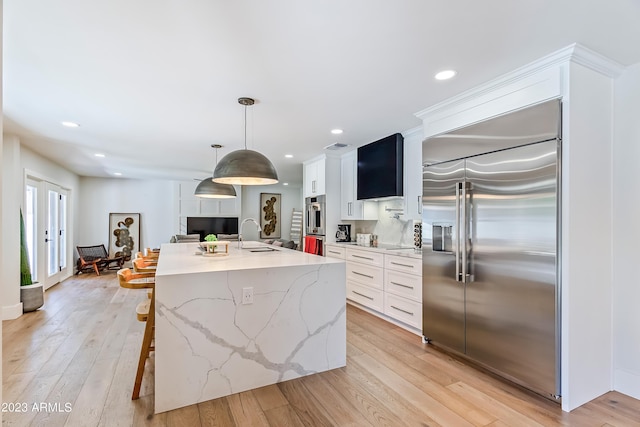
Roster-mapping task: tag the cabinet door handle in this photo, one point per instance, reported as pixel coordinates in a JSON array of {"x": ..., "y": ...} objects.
[
  {"x": 400, "y": 284},
  {"x": 420, "y": 205},
  {"x": 402, "y": 265},
  {"x": 334, "y": 252},
  {"x": 313, "y": 186},
  {"x": 361, "y": 274},
  {"x": 362, "y": 257},
  {"x": 404, "y": 311},
  {"x": 363, "y": 295}
]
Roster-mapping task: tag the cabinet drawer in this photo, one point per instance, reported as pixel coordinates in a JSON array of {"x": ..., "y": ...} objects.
[
  {"x": 407, "y": 265},
  {"x": 365, "y": 274},
  {"x": 369, "y": 297},
  {"x": 365, "y": 257},
  {"x": 403, "y": 284},
  {"x": 336, "y": 252},
  {"x": 404, "y": 310}
]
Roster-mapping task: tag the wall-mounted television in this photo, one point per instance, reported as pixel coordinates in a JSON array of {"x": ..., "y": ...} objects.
[
  {"x": 380, "y": 168},
  {"x": 211, "y": 225}
]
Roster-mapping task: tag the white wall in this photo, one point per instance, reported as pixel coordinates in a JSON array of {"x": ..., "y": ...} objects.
[
  {"x": 154, "y": 200},
  {"x": 17, "y": 161},
  {"x": 291, "y": 199},
  {"x": 626, "y": 233}
]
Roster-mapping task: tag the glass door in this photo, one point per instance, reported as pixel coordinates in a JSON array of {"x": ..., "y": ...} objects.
[{"x": 55, "y": 233}]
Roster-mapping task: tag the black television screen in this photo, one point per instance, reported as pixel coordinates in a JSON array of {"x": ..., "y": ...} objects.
[
  {"x": 380, "y": 168},
  {"x": 211, "y": 225}
]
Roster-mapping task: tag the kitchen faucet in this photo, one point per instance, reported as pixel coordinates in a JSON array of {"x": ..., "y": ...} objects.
[{"x": 240, "y": 229}]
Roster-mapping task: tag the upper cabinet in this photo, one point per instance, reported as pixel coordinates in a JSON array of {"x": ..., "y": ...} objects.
[
  {"x": 314, "y": 177},
  {"x": 350, "y": 207},
  {"x": 413, "y": 174},
  {"x": 191, "y": 205}
]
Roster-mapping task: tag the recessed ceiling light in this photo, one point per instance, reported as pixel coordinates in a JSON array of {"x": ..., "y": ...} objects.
[
  {"x": 289, "y": 156},
  {"x": 117, "y": 173},
  {"x": 445, "y": 75},
  {"x": 99, "y": 155},
  {"x": 70, "y": 124},
  {"x": 336, "y": 131},
  {"x": 285, "y": 183}
]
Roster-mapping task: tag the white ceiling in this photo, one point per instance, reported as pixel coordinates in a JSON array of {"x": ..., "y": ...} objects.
[{"x": 153, "y": 83}]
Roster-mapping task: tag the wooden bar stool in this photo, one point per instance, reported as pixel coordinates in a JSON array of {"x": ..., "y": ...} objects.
[
  {"x": 140, "y": 265},
  {"x": 145, "y": 312}
]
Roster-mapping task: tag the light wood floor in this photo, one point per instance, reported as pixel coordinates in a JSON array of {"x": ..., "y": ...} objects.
[{"x": 81, "y": 350}]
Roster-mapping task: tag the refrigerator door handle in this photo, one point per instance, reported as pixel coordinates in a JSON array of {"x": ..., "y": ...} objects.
[
  {"x": 465, "y": 249},
  {"x": 459, "y": 277}
]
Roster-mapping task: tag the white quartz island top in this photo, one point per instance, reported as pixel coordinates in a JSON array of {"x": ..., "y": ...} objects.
[{"x": 209, "y": 344}]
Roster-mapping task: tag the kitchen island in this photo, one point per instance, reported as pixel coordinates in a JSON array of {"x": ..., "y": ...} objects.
[{"x": 208, "y": 344}]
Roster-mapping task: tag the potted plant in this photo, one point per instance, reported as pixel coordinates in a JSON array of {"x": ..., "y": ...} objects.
[{"x": 31, "y": 294}]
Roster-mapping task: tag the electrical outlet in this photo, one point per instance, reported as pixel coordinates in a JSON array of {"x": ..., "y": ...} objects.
[{"x": 247, "y": 295}]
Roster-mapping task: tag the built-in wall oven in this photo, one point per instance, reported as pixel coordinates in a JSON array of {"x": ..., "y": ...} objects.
[{"x": 315, "y": 216}]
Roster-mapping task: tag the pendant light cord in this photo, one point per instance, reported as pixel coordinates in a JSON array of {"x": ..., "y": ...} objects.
[{"x": 245, "y": 127}]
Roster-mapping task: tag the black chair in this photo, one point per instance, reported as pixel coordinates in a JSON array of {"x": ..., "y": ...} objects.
[{"x": 96, "y": 258}]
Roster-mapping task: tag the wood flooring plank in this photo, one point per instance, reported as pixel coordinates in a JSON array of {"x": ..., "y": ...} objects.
[
  {"x": 501, "y": 411},
  {"x": 342, "y": 413},
  {"x": 216, "y": 413},
  {"x": 421, "y": 400},
  {"x": 144, "y": 413},
  {"x": 246, "y": 410},
  {"x": 420, "y": 374},
  {"x": 283, "y": 416},
  {"x": 88, "y": 407},
  {"x": 34, "y": 400},
  {"x": 181, "y": 417},
  {"x": 369, "y": 406},
  {"x": 269, "y": 397},
  {"x": 81, "y": 348},
  {"x": 306, "y": 406}
]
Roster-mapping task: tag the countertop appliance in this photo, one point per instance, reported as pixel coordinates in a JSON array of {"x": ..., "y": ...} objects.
[
  {"x": 380, "y": 168},
  {"x": 490, "y": 245},
  {"x": 344, "y": 233},
  {"x": 315, "y": 216}
]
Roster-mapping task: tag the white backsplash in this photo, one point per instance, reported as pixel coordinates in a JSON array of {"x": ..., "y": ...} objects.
[{"x": 390, "y": 230}]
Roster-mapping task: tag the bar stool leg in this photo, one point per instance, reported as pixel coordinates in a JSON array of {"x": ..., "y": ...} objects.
[{"x": 146, "y": 346}]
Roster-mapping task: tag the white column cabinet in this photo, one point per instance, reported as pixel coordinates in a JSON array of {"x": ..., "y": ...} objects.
[
  {"x": 314, "y": 177},
  {"x": 413, "y": 174},
  {"x": 350, "y": 207}
]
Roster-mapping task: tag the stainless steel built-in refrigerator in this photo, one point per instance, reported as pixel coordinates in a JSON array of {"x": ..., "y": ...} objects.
[{"x": 491, "y": 244}]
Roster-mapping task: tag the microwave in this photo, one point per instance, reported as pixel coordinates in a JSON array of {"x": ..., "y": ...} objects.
[{"x": 315, "y": 215}]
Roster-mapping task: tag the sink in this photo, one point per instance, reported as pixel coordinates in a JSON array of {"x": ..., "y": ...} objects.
[{"x": 262, "y": 250}]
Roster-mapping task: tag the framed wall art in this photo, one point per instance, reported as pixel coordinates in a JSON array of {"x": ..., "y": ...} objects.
[
  {"x": 124, "y": 234},
  {"x": 270, "y": 217}
]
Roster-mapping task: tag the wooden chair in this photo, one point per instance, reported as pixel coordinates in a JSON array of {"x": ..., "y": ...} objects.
[
  {"x": 96, "y": 258},
  {"x": 145, "y": 312},
  {"x": 152, "y": 253},
  {"x": 148, "y": 259},
  {"x": 140, "y": 265}
]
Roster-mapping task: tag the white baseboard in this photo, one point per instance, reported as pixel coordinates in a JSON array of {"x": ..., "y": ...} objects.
[
  {"x": 627, "y": 383},
  {"x": 10, "y": 312}
]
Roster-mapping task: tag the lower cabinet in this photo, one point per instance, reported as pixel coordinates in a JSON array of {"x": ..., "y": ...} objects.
[{"x": 389, "y": 285}]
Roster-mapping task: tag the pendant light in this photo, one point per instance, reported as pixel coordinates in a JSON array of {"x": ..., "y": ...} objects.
[
  {"x": 213, "y": 190},
  {"x": 245, "y": 167}
]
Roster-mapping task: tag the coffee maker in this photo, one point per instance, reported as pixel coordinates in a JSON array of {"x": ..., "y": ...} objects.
[{"x": 344, "y": 233}]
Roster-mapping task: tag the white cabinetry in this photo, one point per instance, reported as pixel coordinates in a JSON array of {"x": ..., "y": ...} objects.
[
  {"x": 413, "y": 174},
  {"x": 365, "y": 281},
  {"x": 333, "y": 251},
  {"x": 191, "y": 205},
  {"x": 389, "y": 285},
  {"x": 314, "y": 177},
  {"x": 350, "y": 207},
  {"x": 403, "y": 289}
]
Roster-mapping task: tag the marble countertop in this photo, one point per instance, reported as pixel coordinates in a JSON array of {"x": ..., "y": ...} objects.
[
  {"x": 408, "y": 252},
  {"x": 180, "y": 258}
]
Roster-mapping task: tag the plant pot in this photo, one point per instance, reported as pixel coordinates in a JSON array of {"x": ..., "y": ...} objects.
[{"x": 32, "y": 297}]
